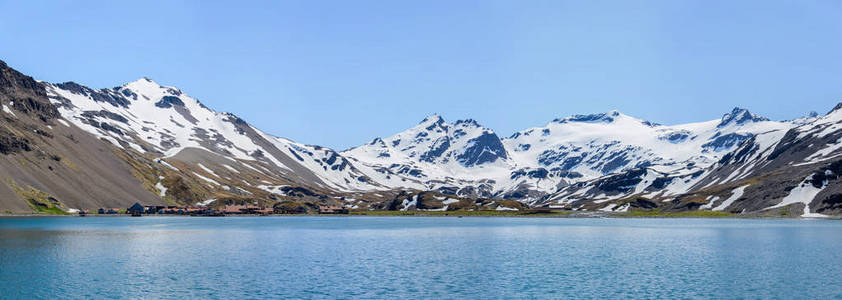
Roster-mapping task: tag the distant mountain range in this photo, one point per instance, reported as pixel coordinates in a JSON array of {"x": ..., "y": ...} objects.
[{"x": 66, "y": 146}]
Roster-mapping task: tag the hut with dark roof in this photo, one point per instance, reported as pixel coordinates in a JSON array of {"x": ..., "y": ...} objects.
[{"x": 136, "y": 209}]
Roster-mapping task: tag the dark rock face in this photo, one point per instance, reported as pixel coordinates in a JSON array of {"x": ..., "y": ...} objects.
[
  {"x": 427, "y": 200},
  {"x": 621, "y": 183},
  {"x": 298, "y": 191},
  {"x": 831, "y": 204},
  {"x": 295, "y": 154},
  {"x": 791, "y": 146},
  {"x": 437, "y": 124},
  {"x": 741, "y": 154},
  {"x": 542, "y": 173},
  {"x": 615, "y": 161},
  {"x": 676, "y": 137},
  {"x": 11, "y": 143},
  {"x": 825, "y": 174},
  {"x": 467, "y": 123},
  {"x": 534, "y": 173},
  {"x": 480, "y": 191},
  {"x": 108, "y": 127},
  {"x": 169, "y": 101},
  {"x": 643, "y": 204},
  {"x": 406, "y": 170},
  {"x": 73, "y": 87},
  {"x": 739, "y": 116},
  {"x": 28, "y": 95},
  {"x": 439, "y": 147},
  {"x": 485, "y": 148},
  {"x": 592, "y": 118},
  {"x": 377, "y": 142},
  {"x": 829, "y": 201},
  {"x": 105, "y": 114},
  {"x": 332, "y": 159},
  {"x": 126, "y": 93},
  {"x": 660, "y": 183},
  {"x": 235, "y": 120},
  {"x": 562, "y": 154},
  {"x": 115, "y": 99},
  {"x": 724, "y": 142}
]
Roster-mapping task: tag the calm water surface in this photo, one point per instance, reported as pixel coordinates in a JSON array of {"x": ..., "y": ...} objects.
[{"x": 408, "y": 257}]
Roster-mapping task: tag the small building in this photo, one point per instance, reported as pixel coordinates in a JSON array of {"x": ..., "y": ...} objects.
[
  {"x": 245, "y": 209},
  {"x": 332, "y": 209},
  {"x": 233, "y": 209},
  {"x": 193, "y": 210},
  {"x": 150, "y": 210},
  {"x": 136, "y": 209},
  {"x": 167, "y": 210},
  {"x": 108, "y": 211},
  {"x": 265, "y": 211}
]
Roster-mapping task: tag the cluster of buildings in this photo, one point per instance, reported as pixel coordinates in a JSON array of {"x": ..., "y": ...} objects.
[{"x": 138, "y": 210}]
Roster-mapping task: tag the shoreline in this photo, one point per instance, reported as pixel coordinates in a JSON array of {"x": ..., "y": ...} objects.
[{"x": 398, "y": 214}]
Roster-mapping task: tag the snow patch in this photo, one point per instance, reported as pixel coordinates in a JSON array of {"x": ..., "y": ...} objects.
[
  {"x": 503, "y": 208},
  {"x": 206, "y": 202},
  {"x": 736, "y": 194},
  {"x": 8, "y": 111},
  {"x": 231, "y": 168},
  {"x": 208, "y": 170},
  {"x": 205, "y": 178},
  {"x": 161, "y": 189},
  {"x": 450, "y": 201},
  {"x": 803, "y": 193}
]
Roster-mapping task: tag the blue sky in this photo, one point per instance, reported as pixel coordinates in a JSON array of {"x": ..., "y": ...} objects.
[{"x": 339, "y": 73}]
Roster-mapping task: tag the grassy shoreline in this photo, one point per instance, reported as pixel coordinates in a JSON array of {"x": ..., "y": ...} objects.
[
  {"x": 461, "y": 213},
  {"x": 685, "y": 214},
  {"x": 487, "y": 213}
]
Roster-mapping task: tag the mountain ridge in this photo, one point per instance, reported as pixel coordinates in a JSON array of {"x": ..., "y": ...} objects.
[{"x": 181, "y": 151}]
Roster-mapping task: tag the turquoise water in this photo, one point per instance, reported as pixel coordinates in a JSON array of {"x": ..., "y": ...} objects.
[{"x": 408, "y": 257}]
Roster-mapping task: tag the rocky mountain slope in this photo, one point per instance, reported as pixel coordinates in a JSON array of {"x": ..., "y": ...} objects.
[
  {"x": 470, "y": 160},
  {"x": 67, "y": 146},
  {"x": 783, "y": 172},
  {"x": 49, "y": 165}
]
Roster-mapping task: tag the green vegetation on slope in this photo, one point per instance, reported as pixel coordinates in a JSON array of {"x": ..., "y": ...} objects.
[
  {"x": 39, "y": 201},
  {"x": 685, "y": 214},
  {"x": 476, "y": 213}
]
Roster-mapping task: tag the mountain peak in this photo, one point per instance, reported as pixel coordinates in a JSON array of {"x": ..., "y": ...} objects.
[
  {"x": 432, "y": 122},
  {"x": 144, "y": 80},
  {"x": 809, "y": 117},
  {"x": 434, "y": 118},
  {"x": 143, "y": 83},
  {"x": 835, "y": 108},
  {"x": 467, "y": 122},
  {"x": 740, "y": 116}
]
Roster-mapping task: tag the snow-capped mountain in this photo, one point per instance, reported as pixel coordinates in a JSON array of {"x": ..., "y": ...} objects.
[
  {"x": 600, "y": 144},
  {"x": 792, "y": 171},
  {"x": 462, "y": 157},
  {"x": 154, "y": 143},
  {"x": 47, "y": 165},
  {"x": 163, "y": 121},
  {"x": 465, "y": 157}
]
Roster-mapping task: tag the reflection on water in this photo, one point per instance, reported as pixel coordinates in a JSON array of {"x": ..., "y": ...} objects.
[{"x": 243, "y": 257}]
